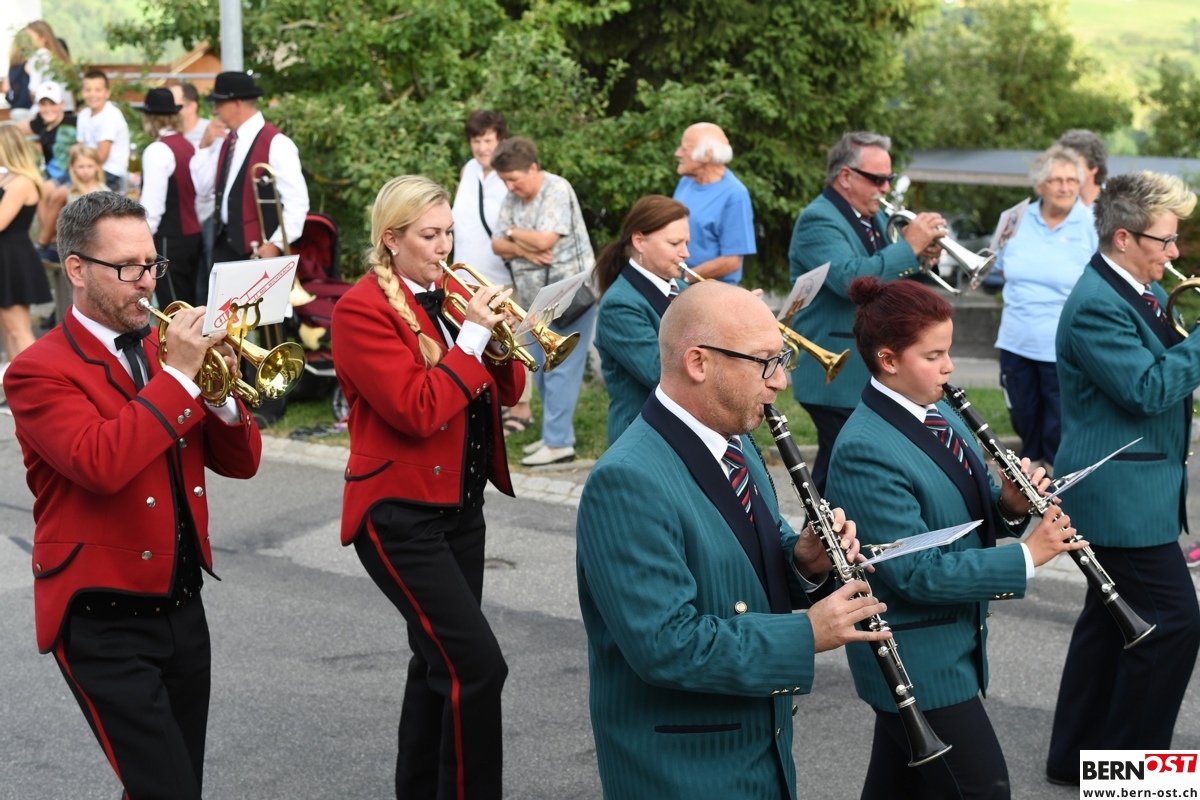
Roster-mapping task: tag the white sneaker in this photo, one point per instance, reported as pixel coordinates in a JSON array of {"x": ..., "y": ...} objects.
[
  {"x": 549, "y": 455},
  {"x": 529, "y": 449}
]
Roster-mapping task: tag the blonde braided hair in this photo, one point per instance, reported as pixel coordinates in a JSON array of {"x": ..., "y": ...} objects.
[{"x": 401, "y": 202}]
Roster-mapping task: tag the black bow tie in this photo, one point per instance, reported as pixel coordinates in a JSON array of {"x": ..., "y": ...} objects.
[
  {"x": 432, "y": 302},
  {"x": 133, "y": 337}
]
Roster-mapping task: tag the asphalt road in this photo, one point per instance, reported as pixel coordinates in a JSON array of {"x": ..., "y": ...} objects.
[{"x": 308, "y": 660}]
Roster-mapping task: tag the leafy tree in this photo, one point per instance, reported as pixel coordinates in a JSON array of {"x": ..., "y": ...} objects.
[
  {"x": 372, "y": 88},
  {"x": 1174, "y": 102},
  {"x": 1000, "y": 74}
]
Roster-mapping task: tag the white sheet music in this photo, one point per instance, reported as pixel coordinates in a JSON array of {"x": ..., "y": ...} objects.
[
  {"x": 1076, "y": 477},
  {"x": 803, "y": 291},
  {"x": 245, "y": 282},
  {"x": 924, "y": 541}
]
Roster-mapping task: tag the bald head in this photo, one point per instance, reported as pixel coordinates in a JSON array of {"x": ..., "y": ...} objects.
[
  {"x": 724, "y": 392},
  {"x": 703, "y": 153}
]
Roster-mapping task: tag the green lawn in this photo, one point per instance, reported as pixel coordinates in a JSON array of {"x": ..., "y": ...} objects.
[
  {"x": 591, "y": 415},
  {"x": 1129, "y": 34}
]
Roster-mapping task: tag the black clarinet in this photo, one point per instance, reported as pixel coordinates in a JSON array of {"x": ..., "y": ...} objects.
[
  {"x": 1133, "y": 627},
  {"x": 923, "y": 742}
]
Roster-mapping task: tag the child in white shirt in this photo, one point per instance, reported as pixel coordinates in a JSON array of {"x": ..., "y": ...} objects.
[{"x": 102, "y": 126}]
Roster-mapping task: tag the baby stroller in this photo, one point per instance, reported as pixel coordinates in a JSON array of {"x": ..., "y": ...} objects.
[{"x": 320, "y": 276}]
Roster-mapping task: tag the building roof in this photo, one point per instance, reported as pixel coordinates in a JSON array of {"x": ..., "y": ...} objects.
[{"x": 1011, "y": 167}]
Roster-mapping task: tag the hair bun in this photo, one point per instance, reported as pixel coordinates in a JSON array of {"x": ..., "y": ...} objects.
[{"x": 864, "y": 290}]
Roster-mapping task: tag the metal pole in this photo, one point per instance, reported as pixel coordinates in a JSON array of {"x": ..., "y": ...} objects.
[{"x": 231, "y": 36}]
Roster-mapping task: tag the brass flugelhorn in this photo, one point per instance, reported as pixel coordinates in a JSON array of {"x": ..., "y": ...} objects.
[
  {"x": 830, "y": 362},
  {"x": 975, "y": 265},
  {"x": 1185, "y": 285},
  {"x": 454, "y": 308},
  {"x": 277, "y": 371}
]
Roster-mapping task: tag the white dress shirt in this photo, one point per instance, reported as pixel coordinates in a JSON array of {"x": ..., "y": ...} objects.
[
  {"x": 1137, "y": 285},
  {"x": 283, "y": 157},
  {"x": 663, "y": 286},
  {"x": 472, "y": 339}
]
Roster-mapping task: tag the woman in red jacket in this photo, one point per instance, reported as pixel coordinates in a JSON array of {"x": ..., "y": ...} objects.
[{"x": 425, "y": 437}]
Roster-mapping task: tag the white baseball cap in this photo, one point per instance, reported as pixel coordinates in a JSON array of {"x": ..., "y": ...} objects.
[{"x": 49, "y": 91}]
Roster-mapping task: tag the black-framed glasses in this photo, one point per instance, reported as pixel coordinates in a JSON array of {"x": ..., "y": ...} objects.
[
  {"x": 130, "y": 273},
  {"x": 878, "y": 180},
  {"x": 1167, "y": 242},
  {"x": 769, "y": 365}
]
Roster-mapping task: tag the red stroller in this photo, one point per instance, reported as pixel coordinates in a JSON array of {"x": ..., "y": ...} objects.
[{"x": 320, "y": 274}]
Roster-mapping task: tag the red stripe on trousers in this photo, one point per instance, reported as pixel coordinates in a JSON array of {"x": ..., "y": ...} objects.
[
  {"x": 60, "y": 654},
  {"x": 455, "y": 685}
]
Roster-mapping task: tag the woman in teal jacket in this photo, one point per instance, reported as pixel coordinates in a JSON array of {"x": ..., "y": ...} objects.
[
  {"x": 904, "y": 464},
  {"x": 637, "y": 275}
]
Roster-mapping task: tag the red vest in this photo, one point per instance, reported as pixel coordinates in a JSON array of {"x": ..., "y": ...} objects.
[
  {"x": 180, "y": 215},
  {"x": 242, "y": 213}
]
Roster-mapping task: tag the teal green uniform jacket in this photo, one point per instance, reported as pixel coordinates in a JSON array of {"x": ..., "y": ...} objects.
[
  {"x": 1120, "y": 380},
  {"x": 627, "y": 340},
  {"x": 693, "y": 668},
  {"x": 823, "y": 233},
  {"x": 896, "y": 479}
]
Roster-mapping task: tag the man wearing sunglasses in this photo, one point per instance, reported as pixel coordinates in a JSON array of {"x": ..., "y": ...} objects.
[
  {"x": 688, "y": 574},
  {"x": 116, "y": 441},
  {"x": 844, "y": 227}
]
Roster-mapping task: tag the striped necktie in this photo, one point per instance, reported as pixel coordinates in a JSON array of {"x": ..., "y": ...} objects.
[
  {"x": 871, "y": 236},
  {"x": 739, "y": 475},
  {"x": 946, "y": 435},
  {"x": 673, "y": 292},
  {"x": 1152, "y": 301}
]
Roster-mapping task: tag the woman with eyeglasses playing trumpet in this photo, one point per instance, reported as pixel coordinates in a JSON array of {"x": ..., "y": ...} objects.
[
  {"x": 637, "y": 276},
  {"x": 904, "y": 464},
  {"x": 425, "y": 438},
  {"x": 1127, "y": 372}
]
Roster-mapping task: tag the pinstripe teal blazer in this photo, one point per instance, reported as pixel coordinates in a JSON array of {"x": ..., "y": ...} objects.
[
  {"x": 824, "y": 233},
  {"x": 895, "y": 479},
  {"x": 627, "y": 340},
  {"x": 692, "y": 666},
  {"x": 1122, "y": 375}
]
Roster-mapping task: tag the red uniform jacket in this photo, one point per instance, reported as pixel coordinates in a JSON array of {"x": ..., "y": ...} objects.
[
  {"x": 408, "y": 431},
  {"x": 96, "y": 460}
]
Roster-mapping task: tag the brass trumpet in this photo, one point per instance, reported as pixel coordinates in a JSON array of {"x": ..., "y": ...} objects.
[
  {"x": 830, "y": 362},
  {"x": 277, "y": 371},
  {"x": 975, "y": 265},
  {"x": 1185, "y": 284},
  {"x": 454, "y": 308}
]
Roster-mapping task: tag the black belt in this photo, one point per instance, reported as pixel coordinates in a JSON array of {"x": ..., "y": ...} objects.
[{"x": 115, "y": 605}]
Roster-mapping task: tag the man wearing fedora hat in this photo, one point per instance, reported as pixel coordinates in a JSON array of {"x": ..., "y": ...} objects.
[
  {"x": 251, "y": 140},
  {"x": 169, "y": 196}
]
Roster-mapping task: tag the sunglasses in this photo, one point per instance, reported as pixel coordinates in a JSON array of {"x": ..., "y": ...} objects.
[{"x": 878, "y": 180}]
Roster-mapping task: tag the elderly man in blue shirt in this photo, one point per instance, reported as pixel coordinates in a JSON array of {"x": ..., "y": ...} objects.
[{"x": 1041, "y": 264}]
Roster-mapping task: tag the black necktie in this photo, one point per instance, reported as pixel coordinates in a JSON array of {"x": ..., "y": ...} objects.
[
  {"x": 872, "y": 243},
  {"x": 131, "y": 345},
  {"x": 226, "y": 165},
  {"x": 431, "y": 302}
]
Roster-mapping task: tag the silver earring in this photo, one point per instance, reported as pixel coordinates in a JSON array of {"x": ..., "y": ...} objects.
[
  {"x": 639, "y": 257},
  {"x": 879, "y": 354}
]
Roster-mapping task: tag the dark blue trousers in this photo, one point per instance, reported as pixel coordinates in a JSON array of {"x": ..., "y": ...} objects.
[
  {"x": 1112, "y": 698},
  {"x": 1031, "y": 394}
]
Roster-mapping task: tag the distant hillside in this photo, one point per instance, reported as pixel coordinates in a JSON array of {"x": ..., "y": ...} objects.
[
  {"x": 1134, "y": 33},
  {"x": 81, "y": 23}
]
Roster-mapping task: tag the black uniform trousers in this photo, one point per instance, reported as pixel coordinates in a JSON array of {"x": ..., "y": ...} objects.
[
  {"x": 185, "y": 255},
  {"x": 143, "y": 684},
  {"x": 429, "y": 563},
  {"x": 829, "y": 421},
  {"x": 973, "y": 768},
  {"x": 1113, "y": 698}
]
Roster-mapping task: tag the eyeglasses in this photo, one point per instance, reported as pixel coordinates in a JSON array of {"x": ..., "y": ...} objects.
[
  {"x": 878, "y": 180},
  {"x": 784, "y": 359},
  {"x": 1167, "y": 242},
  {"x": 130, "y": 273}
]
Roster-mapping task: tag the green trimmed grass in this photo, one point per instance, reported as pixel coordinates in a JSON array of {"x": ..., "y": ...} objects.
[{"x": 591, "y": 416}]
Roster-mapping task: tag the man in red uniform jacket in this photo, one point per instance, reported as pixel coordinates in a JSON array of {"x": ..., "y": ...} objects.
[{"x": 115, "y": 447}]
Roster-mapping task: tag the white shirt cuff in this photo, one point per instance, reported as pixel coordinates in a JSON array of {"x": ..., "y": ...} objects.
[
  {"x": 227, "y": 412},
  {"x": 1028, "y": 562},
  {"x": 473, "y": 339}
]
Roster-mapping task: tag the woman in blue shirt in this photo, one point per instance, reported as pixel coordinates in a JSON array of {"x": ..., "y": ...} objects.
[{"x": 1041, "y": 264}]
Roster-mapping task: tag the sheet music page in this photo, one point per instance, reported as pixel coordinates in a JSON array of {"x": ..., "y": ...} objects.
[{"x": 924, "y": 541}]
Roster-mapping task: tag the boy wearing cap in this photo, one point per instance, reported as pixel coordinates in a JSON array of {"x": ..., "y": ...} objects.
[
  {"x": 55, "y": 128},
  {"x": 102, "y": 126}
]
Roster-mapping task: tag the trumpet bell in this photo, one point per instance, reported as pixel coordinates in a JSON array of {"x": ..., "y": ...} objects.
[
  {"x": 977, "y": 266},
  {"x": 277, "y": 371},
  {"x": 830, "y": 362},
  {"x": 556, "y": 347},
  {"x": 1182, "y": 288}
]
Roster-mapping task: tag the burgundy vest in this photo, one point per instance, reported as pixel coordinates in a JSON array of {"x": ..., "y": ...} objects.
[
  {"x": 179, "y": 218},
  {"x": 243, "y": 215}
]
